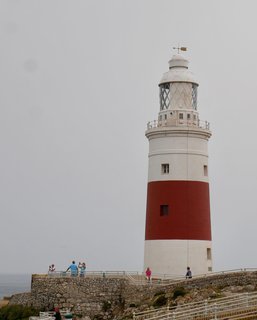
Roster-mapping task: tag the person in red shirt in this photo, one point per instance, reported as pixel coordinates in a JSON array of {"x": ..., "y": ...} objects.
[{"x": 148, "y": 274}]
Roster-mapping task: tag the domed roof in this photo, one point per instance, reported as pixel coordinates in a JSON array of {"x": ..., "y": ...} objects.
[
  {"x": 178, "y": 60},
  {"x": 178, "y": 71}
]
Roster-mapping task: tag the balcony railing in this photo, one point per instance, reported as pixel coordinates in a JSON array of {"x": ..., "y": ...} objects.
[{"x": 178, "y": 123}]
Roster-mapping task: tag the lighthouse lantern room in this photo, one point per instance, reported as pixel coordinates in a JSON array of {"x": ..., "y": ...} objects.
[{"x": 178, "y": 226}]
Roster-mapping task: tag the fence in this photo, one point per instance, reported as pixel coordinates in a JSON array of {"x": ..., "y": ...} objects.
[
  {"x": 236, "y": 306},
  {"x": 138, "y": 278},
  {"x": 175, "y": 123},
  {"x": 49, "y": 315}
]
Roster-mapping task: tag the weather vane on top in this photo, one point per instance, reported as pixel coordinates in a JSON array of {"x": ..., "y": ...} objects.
[{"x": 180, "y": 48}]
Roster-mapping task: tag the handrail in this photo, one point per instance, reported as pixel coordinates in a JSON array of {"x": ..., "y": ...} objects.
[
  {"x": 178, "y": 123},
  {"x": 139, "y": 277},
  {"x": 191, "y": 305},
  {"x": 208, "y": 309},
  {"x": 103, "y": 274},
  {"x": 49, "y": 315}
]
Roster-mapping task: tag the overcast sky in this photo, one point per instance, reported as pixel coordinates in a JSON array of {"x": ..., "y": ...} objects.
[{"x": 78, "y": 83}]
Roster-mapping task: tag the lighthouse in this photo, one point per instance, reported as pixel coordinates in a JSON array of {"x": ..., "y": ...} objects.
[{"x": 178, "y": 224}]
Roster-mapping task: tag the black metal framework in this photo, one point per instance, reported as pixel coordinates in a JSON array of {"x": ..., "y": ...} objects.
[
  {"x": 164, "y": 96},
  {"x": 181, "y": 89},
  {"x": 194, "y": 96}
]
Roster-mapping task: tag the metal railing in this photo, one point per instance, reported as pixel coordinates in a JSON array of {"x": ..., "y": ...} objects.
[
  {"x": 95, "y": 274},
  {"x": 49, "y": 315},
  {"x": 165, "y": 279},
  {"x": 178, "y": 123},
  {"x": 138, "y": 278},
  {"x": 222, "y": 308}
]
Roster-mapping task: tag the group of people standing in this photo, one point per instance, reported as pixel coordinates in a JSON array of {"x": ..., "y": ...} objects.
[{"x": 76, "y": 270}]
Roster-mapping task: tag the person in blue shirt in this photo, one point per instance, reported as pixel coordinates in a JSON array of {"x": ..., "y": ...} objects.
[{"x": 73, "y": 269}]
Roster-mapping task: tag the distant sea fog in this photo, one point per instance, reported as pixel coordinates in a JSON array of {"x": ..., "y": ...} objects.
[{"x": 14, "y": 283}]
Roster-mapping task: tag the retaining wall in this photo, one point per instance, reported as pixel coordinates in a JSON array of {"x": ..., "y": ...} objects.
[{"x": 104, "y": 297}]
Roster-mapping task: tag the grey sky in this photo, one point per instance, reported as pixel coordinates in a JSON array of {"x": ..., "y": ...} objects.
[{"x": 78, "y": 83}]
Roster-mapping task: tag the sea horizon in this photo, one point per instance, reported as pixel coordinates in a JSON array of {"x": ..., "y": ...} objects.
[{"x": 12, "y": 283}]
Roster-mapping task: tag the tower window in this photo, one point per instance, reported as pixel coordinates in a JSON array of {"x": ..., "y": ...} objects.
[
  {"x": 194, "y": 96},
  {"x": 181, "y": 116},
  {"x": 164, "y": 209},
  {"x": 164, "y": 96},
  {"x": 209, "y": 268},
  {"x": 208, "y": 253},
  {"x": 188, "y": 116},
  {"x": 205, "y": 170},
  {"x": 165, "y": 168}
]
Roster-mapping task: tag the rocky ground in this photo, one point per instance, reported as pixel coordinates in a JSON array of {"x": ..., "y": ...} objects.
[
  {"x": 165, "y": 297},
  {"x": 181, "y": 296}
]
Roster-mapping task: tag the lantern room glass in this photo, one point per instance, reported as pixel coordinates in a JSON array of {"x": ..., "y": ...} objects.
[
  {"x": 164, "y": 96},
  {"x": 194, "y": 96},
  {"x": 178, "y": 95}
]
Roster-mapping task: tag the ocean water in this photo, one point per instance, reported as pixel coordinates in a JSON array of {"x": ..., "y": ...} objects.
[{"x": 14, "y": 283}]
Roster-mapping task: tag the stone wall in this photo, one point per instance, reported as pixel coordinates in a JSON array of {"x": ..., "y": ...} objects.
[
  {"x": 104, "y": 298},
  {"x": 85, "y": 296},
  {"x": 137, "y": 294},
  {"x": 22, "y": 298}
]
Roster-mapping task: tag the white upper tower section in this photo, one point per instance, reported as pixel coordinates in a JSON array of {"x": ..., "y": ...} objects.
[
  {"x": 178, "y": 71},
  {"x": 178, "y": 97}
]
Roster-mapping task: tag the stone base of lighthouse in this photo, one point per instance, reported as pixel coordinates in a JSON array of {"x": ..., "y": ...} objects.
[{"x": 172, "y": 257}]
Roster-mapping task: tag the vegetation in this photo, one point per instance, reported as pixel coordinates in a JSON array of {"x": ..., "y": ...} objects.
[
  {"x": 98, "y": 317},
  {"x": 159, "y": 293},
  {"x": 160, "y": 301},
  {"x": 106, "y": 305},
  {"x": 17, "y": 312},
  {"x": 179, "y": 292},
  {"x": 132, "y": 305}
]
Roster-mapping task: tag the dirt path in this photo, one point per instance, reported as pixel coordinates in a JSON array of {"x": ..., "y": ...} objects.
[{"x": 3, "y": 303}]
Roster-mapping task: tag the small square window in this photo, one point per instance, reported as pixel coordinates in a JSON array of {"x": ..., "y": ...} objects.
[
  {"x": 205, "y": 170},
  {"x": 180, "y": 116},
  {"x": 188, "y": 116},
  {"x": 164, "y": 209},
  {"x": 208, "y": 253},
  {"x": 209, "y": 268},
  {"x": 165, "y": 168}
]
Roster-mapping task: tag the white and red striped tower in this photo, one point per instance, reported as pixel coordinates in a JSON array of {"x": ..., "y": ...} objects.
[{"x": 178, "y": 226}]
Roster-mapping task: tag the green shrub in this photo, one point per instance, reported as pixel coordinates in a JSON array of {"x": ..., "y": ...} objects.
[
  {"x": 106, "y": 305},
  {"x": 179, "y": 292},
  {"x": 160, "y": 301},
  {"x": 159, "y": 293},
  {"x": 17, "y": 312},
  {"x": 132, "y": 305}
]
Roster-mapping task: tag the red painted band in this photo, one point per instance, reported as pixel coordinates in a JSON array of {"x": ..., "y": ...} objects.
[{"x": 189, "y": 210}]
